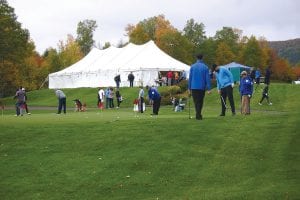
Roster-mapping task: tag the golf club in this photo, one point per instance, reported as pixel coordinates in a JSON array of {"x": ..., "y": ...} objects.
[
  {"x": 189, "y": 99},
  {"x": 223, "y": 101}
]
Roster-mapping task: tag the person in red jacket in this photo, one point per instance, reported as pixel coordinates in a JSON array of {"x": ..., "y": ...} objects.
[{"x": 170, "y": 77}]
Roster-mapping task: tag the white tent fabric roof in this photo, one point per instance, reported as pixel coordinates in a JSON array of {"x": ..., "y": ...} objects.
[{"x": 99, "y": 67}]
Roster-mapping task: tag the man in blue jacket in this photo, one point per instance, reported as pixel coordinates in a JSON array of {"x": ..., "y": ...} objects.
[
  {"x": 225, "y": 85},
  {"x": 199, "y": 81},
  {"x": 154, "y": 98}
]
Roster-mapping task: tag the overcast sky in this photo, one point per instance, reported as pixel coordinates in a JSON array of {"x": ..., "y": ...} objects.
[{"x": 50, "y": 21}]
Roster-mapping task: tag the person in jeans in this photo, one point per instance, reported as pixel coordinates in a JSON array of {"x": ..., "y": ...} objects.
[
  {"x": 225, "y": 85},
  {"x": 61, "y": 101}
]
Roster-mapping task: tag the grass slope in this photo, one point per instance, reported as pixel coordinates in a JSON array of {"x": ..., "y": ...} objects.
[{"x": 117, "y": 155}]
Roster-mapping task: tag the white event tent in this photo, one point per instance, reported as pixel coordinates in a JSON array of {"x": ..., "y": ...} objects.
[{"x": 99, "y": 67}]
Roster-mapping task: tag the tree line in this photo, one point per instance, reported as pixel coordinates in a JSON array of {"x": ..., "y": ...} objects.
[{"x": 22, "y": 65}]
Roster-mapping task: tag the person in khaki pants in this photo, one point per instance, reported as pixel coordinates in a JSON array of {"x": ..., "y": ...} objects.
[{"x": 246, "y": 90}]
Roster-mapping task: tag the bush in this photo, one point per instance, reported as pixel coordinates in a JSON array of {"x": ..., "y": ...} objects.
[
  {"x": 170, "y": 91},
  {"x": 183, "y": 85},
  {"x": 165, "y": 101}
]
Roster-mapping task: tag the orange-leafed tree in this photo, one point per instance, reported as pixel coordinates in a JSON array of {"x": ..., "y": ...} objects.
[
  {"x": 296, "y": 70},
  {"x": 281, "y": 70},
  {"x": 166, "y": 37}
]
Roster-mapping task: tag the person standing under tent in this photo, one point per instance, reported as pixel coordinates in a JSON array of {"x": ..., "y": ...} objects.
[
  {"x": 246, "y": 90},
  {"x": 225, "y": 85},
  {"x": 101, "y": 96},
  {"x": 130, "y": 79},
  {"x": 155, "y": 98},
  {"x": 182, "y": 75},
  {"x": 141, "y": 99},
  {"x": 199, "y": 81},
  {"x": 61, "y": 101},
  {"x": 176, "y": 78},
  {"x": 118, "y": 80},
  {"x": 169, "y": 78}
]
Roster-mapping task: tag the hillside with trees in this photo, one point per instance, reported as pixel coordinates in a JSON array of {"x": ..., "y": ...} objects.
[
  {"x": 289, "y": 49},
  {"x": 22, "y": 65}
]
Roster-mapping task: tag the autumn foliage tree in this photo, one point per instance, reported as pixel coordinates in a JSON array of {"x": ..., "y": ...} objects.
[
  {"x": 15, "y": 47},
  {"x": 69, "y": 52},
  {"x": 166, "y": 37},
  {"x": 20, "y": 64}
]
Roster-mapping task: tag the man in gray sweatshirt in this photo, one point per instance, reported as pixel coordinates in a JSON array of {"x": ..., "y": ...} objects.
[{"x": 61, "y": 101}]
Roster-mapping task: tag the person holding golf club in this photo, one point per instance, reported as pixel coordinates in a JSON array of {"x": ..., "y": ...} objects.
[
  {"x": 61, "y": 101},
  {"x": 199, "y": 81},
  {"x": 154, "y": 98},
  {"x": 225, "y": 85}
]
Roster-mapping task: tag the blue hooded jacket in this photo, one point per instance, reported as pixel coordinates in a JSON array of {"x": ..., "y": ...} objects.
[
  {"x": 199, "y": 76},
  {"x": 246, "y": 86},
  {"x": 224, "y": 78}
]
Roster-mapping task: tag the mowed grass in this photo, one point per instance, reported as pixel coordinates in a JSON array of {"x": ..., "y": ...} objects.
[{"x": 117, "y": 154}]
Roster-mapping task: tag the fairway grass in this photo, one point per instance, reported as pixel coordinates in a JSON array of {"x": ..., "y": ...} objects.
[{"x": 117, "y": 154}]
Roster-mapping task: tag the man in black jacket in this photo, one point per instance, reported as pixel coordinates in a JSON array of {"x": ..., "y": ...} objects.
[
  {"x": 118, "y": 80},
  {"x": 131, "y": 79}
]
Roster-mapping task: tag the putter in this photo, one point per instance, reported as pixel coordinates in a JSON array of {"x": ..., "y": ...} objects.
[{"x": 223, "y": 101}]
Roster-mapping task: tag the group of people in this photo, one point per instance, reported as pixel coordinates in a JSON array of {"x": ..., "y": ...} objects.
[
  {"x": 108, "y": 97},
  {"x": 154, "y": 99},
  {"x": 171, "y": 78},
  {"x": 139, "y": 103},
  {"x": 199, "y": 82}
]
